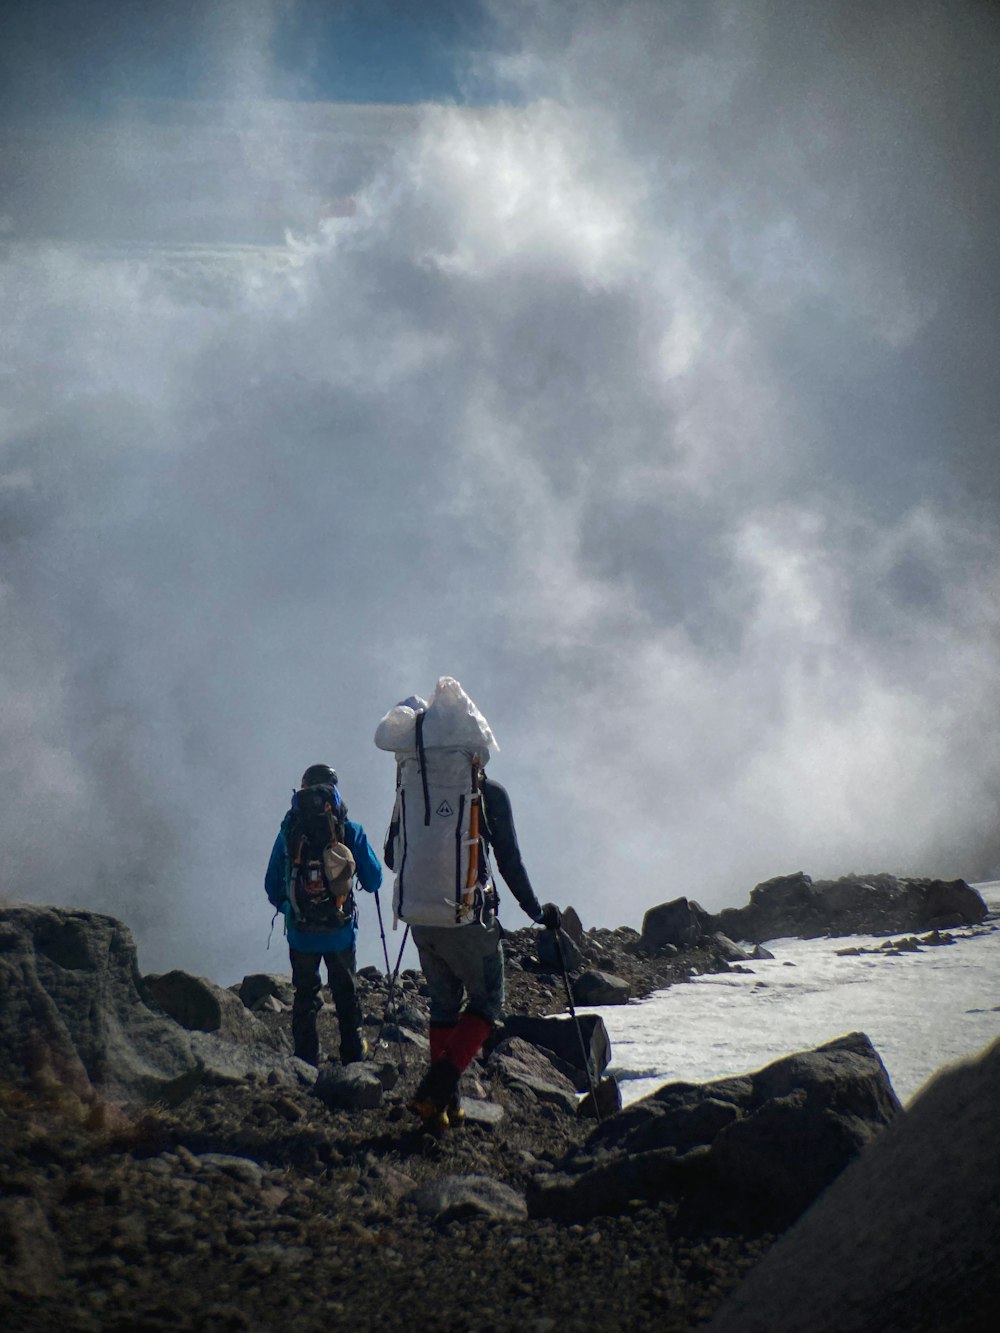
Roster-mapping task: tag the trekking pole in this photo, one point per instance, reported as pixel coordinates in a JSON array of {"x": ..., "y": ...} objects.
[
  {"x": 389, "y": 1000},
  {"x": 385, "y": 955},
  {"x": 381, "y": 931},
  {"x": 391, "y": 978},
  {"x": 579, "y": 1029}
]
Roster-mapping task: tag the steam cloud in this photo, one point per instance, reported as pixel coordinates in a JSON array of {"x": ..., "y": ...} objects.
[{"x": 657, "y": 405}]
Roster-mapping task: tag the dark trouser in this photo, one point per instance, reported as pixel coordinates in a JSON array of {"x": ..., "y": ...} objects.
[
  {"x": 340, "y": 968},
  {"x": 463, "y": 968}
]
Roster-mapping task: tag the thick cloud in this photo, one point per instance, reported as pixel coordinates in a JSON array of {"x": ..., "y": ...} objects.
[{"x": 656, "y": 406}]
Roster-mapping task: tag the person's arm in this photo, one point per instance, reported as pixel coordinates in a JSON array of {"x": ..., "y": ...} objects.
[
  {"x": 275, "y": 879},
  {"x": 503, "y": 839},
  {"x": 365, "y": 861}
]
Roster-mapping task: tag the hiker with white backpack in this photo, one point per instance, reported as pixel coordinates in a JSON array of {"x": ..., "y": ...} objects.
[{"x": 447, "y": 819}]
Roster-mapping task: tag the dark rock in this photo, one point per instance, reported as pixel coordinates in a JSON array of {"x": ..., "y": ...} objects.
[
  {"x": 678, "y": 1116},
  {"x": 546, "y": 1093},
  {"x": 243, "y": 1169},
  {"x": 846, "y": 1075},
  {"x": 548, "y": 944},
  {"x": 572, "y": 925},
  {"x": 460, "y": 1196},
  {"x": 759, "y": 1149},
  {"x": 349, "y": 1087},
  {"x": 810, "y": 1115},
  {"x": 600, "y": 988},
  {"x": 852, "y": 897},
  {"x": 614, "y": 1187},
  {"x": 729, "y": 950},
  {"x": 625, "y": 934},
  {"x": 938, "y": 904},
  {"x": 893, "y": 948},
  {"x": 662, "y": 951},
  {"x": 784, "y": 905},
  {"x": 852, "y": 905},
  {"x": 774, "y": 1162},
  {"x": 678, "y": 922},
  {"x": 908, "y": 945},
  {"x": 604, "y": 1101},
  {"x": 201, "y": 1006},
  {"x": 71, "y": 1002},
  {"x": 516, "y": 1052},
  {"x": 409, "y": 1016},
  {"x": 387, "y": 1073},
  {"x": 760, "y": 954},
  {"x": 905, "y": 1238},
  {"x": 257, "y": 985},
  {"x": 478, "y": 1111},
  {"x": 561, "y": 1037},
  {"x": 523, "y": 1066}
]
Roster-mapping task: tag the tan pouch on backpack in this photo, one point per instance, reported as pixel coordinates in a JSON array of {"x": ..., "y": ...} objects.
[{"x": 338, "y": 865}]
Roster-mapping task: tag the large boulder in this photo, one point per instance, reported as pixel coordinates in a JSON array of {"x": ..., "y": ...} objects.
[
  {"x": 72, "y": 1009},
  {"x": 524, "y": 1067},
  {"x": 561, "y": 1038},
  {"x": 793, "y": 905},
  {"x": 453, "y": 1197},
  {"x": 784, "y": 905},
  {"x": 905, "y": 1238},
  {"x": 937, "y": 904},
  {"x": 729, "y": 951},
  {"x": 600, "y": 988},
  {"x": 202, "y": 1006},
  {"x": 678, "y": 922},
  {"x": 259, "y": 986},
  {"x": 605, "y": 1099},
  {"x": 749, "y": 1153},
  {"x": 556, "y": 950},
  {"x": 355, "y": 1087},
  {"x": 572, "y": 925},
  {"x": 516, "y": 1056}
]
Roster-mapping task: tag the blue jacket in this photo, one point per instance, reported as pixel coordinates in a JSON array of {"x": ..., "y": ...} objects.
[{"x": 278, "y": 877}]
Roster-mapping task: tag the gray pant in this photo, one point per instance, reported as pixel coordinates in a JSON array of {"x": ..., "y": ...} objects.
[{"x": 462, "y": 964}]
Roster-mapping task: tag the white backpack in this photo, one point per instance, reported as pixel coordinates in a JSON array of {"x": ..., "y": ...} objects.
[{"x": 437, "y": 848}]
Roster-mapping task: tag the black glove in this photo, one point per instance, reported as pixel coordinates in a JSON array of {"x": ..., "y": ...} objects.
[{"x": 551, "y": 917}]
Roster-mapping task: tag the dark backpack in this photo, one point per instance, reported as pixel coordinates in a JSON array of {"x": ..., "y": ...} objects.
[{"x": 322, "y": 867}]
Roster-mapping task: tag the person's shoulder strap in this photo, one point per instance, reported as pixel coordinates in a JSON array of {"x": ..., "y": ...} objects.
[{"x": 422, "y": 761}]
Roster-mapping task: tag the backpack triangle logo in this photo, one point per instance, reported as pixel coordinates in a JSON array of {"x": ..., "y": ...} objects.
[{"x": 444, "y": 809}]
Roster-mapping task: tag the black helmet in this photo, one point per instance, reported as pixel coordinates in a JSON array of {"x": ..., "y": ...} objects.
[{"x": 319, "y": 775}]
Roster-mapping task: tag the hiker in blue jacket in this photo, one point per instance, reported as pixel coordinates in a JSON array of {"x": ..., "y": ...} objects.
[{"x": 316, "y": 858}]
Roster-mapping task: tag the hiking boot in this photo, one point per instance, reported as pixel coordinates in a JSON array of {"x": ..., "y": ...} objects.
[
  {"x": 435, "y": 1091},
  {"x": 362, "y": 1051},
  {"x": 454, "y": 1112},
  {"x": 437, "y": 1124}
]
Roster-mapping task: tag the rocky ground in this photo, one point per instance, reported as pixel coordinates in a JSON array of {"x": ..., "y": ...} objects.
[
  {"x": 255, "y": 1207},
  {"x": 242, "y": 1196},
  {"x": 261, "y": 1210}
]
